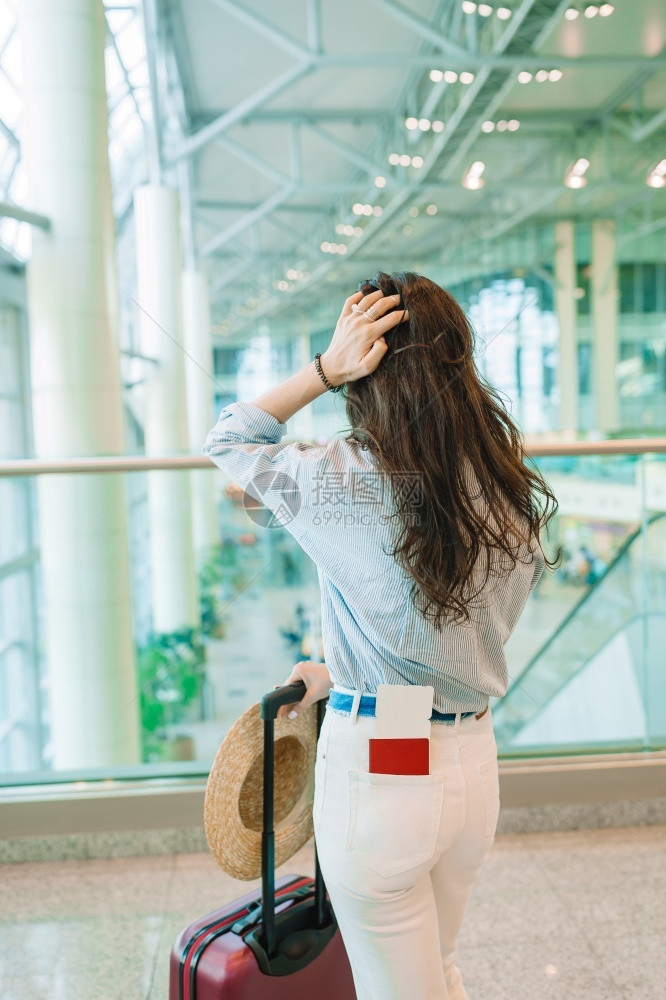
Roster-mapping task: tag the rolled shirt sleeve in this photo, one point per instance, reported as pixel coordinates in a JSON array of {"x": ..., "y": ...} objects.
[{"x": 246, "y": 444}]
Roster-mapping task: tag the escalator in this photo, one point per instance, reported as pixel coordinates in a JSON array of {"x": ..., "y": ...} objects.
[{"x": 616, "y": 634}]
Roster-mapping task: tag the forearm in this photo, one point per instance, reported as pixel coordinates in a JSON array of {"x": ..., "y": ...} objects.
[{"x": 290, "y": 396}]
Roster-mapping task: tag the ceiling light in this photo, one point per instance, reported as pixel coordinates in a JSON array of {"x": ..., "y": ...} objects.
[
  {"x": 431, "y": 210},
  {"x": 472, "y": 178},
  {"x": 407, "y": 230},
  {"x": 283, "y": 285},
  {"x": 380, "y": 182},
  {"x": 657, "y": 176},
  {"x": 424, "y": 124},
  {"x": 340, "y": 229},
  {"x": 514, "y": 125},
  {"x": 412, "y": 123},
  {"x": 571, "y": 13},
  {"x": 342, "y": 248},
  {"x": 573, "y": 177},
  {"x": 394, "y": 159},
  {"x": 438, "y": 126},
  {"x": 417, "y": 161},
  {"x": 485, "y": 10},
  {"x": 436, "y": 75},
  {"x": 292, "y": 274},
  {"x": 466, "y": 77},
  {"x": 450, "y": 76},
  {"x": 377, "y": 210},
  {"x": 503, "y": 13},
  {"x": 405, "y": 160},
  {"x": 488, "y": 126},
  {"x": 357, "y": 231},
  {"x": 541, "y": 75},
  {"x": 359, "y": 209},
  {"x": 414, "y": 211},
  {"x": 555, "y": 75},
  {"x": 502, "y": 126},
  {"x": 592, "y": 10},
  {"x": 468, "y": 8},
  {"x": 524, "y": 76},
  {"x": 606, "y": 9},
  {"x": 325, "y": 247}
]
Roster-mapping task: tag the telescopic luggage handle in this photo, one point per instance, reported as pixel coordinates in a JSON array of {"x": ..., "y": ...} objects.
[
  {"x": 285, "y": 695},
  {"x": 269, "y": 705}
]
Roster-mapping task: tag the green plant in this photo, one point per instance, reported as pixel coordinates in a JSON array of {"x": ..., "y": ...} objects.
[
  {"x": 218, "y": 568},
  {"x": 211, "y": 620},
  {"x": 171, "y": 670}
]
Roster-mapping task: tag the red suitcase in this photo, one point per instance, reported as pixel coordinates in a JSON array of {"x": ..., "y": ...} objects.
[{"x": 248, "y": 951}]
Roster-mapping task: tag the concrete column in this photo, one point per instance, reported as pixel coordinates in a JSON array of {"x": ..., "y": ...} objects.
[
  {"x": 532, "y": 411},
  {"x": 565, "y": 309},
  {"x": 605, "y": 325},
  {"x": 76, "y": 391},
  {"x": 199, "y": 381},
  {"x": 159, "y": 271}
]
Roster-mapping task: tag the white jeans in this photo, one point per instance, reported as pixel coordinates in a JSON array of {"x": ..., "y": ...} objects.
[{"x": 399, "y": 853}]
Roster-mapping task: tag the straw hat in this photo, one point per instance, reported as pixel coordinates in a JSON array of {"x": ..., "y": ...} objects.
[{"x": 233, "y": 805}]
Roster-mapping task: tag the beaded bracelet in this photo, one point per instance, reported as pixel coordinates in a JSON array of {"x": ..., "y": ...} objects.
[{"x": 333, "y": 388}]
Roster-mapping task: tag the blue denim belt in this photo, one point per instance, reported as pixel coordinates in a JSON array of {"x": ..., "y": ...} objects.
[{"x": 344, "y": 702}]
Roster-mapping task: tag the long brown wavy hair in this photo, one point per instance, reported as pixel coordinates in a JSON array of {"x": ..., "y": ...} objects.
[{"x": 428, "y": 416}]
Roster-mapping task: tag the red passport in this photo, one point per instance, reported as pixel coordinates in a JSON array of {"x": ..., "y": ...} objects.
[{"x": 395, "y": 756}]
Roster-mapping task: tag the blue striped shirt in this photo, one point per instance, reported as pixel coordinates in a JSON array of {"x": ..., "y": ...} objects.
[{"x": 336, "y": 503}]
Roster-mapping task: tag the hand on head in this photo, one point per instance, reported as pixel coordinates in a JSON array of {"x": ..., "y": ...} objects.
[{"x": 359, "y": 341}]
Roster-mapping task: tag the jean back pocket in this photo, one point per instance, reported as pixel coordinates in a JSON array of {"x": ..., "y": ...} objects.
[{"x": 393, "y": 819}]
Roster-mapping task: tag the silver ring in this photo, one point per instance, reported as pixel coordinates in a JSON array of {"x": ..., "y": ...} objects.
[
  {"x": 357, "y": 309},
  {"x": 371, "y": 312}
]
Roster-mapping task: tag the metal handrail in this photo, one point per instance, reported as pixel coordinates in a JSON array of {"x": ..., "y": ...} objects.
[{"x": 142, "y": 463}]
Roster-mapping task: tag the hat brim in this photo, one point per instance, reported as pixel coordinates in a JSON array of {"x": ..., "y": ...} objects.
[{"x": 233, "y": 804}]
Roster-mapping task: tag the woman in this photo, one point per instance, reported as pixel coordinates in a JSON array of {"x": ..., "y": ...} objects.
[{"x": 425, "y": 531}]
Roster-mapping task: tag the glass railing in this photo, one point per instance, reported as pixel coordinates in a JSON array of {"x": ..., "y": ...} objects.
[
  {"x": 589, "y": 676},
  {"x": 145, "y": 605},
  {"x": 596, "y": 678}
]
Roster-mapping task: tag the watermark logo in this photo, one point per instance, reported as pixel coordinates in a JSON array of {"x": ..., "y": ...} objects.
[{"x": 272, "y": 499}]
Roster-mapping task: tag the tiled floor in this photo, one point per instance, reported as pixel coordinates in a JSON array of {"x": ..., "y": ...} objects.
[{"x": 553, "y": 916}]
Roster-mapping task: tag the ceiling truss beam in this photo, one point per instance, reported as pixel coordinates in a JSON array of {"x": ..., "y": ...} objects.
[
  {"x": 253, "y": 160},
  {"x": 264, "y": 27},
  {"x": 240, "y": 112},
  {"x": 423, "y": 29},
  {"x": 195, "y": 142},
  {"x": 11, "y": 211},
  {"x": 348, "y": 152},
  {"x": 240, "y": 225}
]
